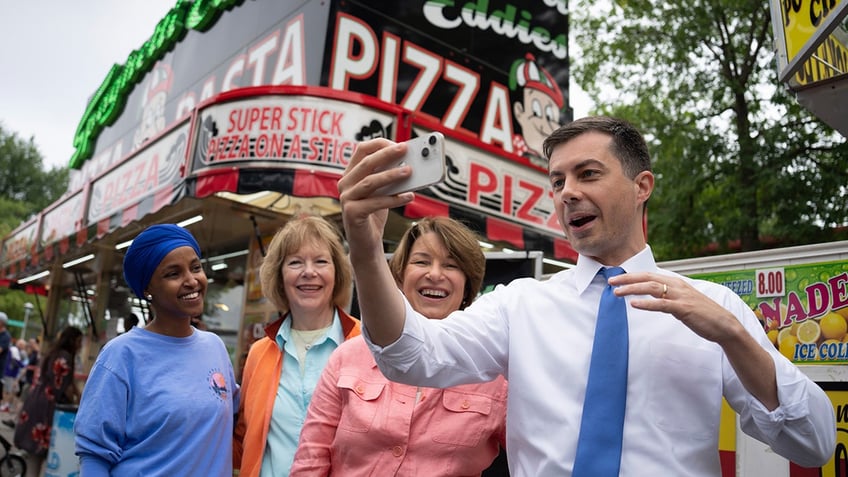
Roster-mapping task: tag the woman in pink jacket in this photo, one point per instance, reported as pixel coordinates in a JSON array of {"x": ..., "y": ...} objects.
[{"x": 361, "y": 424}]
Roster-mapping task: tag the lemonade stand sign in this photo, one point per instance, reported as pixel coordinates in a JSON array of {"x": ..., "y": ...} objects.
[{"x": 803, "y": 308}]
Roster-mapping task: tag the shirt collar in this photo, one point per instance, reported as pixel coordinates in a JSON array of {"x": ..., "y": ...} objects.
[
  {"x": 587, "y": 268},
  {"x": 335, "y": 333}
]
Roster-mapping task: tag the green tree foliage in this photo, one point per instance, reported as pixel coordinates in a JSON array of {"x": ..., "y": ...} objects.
[
  {"x": 740, "y": 165},
  {"x": 12, "y": 302},
  {"x": 11, "y": 214},
  {"x": 25, "y": 187}
]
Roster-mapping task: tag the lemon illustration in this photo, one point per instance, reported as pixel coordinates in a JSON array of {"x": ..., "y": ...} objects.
[
  {"x": 833, "y": 326},
  {"x": 783, "y": 333},
  {"x": 809, "y": 332},
  {"x": 772, "y": 336},
  {"x": 787, "y": 345}
]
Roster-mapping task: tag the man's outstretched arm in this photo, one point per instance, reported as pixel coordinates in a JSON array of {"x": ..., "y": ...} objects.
[{"x": 364, "y": 216}]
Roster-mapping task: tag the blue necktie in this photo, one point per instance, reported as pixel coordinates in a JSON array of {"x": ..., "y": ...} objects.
[{"x": 601, "y": 429}]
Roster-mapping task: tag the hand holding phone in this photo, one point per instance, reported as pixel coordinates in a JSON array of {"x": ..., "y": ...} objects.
[{"x": 426, "y": 155}]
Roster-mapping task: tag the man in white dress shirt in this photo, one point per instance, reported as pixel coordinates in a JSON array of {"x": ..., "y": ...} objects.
[{"x": 692, "y": 342}]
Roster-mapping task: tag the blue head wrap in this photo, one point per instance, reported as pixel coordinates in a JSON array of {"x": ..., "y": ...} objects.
[{"x": 149, "y": 248}]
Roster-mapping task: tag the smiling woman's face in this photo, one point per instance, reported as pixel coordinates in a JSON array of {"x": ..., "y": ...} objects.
[
  {"x": 432, "y": 281},
  {"x": 178, "y": 284},
  {"x": 309, "y": 277}
]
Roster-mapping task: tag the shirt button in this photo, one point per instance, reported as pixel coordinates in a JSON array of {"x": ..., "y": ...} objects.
[
  {"x": 359, "y": 389},
  {"x": 397, "y": 451},
  {"x": 465, "y": 405}
]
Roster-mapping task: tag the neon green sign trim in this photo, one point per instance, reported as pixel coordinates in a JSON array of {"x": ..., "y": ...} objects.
[{"x": 109, "y": 100}]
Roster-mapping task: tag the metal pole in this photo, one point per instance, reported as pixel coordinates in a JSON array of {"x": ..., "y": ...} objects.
[{"x": 27, "y": 310}]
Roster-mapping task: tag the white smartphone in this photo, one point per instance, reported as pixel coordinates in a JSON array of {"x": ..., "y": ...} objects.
[{"x": 426, "y": 155}]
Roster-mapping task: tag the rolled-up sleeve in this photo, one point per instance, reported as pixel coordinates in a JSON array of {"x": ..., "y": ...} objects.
[
  {"x": 466, "y": 347},
  {"x": 399, "y": 356},
  {"x": 803, "y": 427}
]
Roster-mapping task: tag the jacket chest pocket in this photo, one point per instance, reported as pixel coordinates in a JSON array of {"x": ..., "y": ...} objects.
[
  {"x": 360, "y": 403},
  {"x": 462, "y": 418}
]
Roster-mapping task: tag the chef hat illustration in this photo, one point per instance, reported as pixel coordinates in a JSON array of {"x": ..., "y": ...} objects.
[
  {"x": 525, "y": 73},
  {"x": 160, "y": 80}
]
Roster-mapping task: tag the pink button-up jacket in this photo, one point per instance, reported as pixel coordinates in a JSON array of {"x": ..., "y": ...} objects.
[{"x": 361, "y": 424}]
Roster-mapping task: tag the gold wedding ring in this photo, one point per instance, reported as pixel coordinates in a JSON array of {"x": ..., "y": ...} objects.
[{"x": 665, "y": 291}]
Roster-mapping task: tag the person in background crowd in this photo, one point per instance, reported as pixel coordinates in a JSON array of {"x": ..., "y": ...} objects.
[
  {"x": 360, "y": 423},
  {"x": 28, "y": 376},
  {"x": 5, "y": 346},
  {"x": 160, "y": 400},
  {"x": 197, "y": 322},
  {"x": 131, "y": 322},
  {"x": 24, "y": 349},
  {"x": 307, "y": 277},
  {"x": 33, "y": 348},
  {"x": 690, "y": 342},
  {"x": 55, "y": 385},
  {"x": 11, "y": 373}
]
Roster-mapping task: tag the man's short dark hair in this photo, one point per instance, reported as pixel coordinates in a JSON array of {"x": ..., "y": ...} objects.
[{"x": 628, "y": 144}]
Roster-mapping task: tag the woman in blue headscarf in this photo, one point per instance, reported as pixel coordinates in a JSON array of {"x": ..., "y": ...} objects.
[{"x": 160, "y": 399}]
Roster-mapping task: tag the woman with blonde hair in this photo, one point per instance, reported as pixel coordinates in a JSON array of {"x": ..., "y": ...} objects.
[
  {"x": 308, "y": 278},
  {"x": 361, "y": 424}
]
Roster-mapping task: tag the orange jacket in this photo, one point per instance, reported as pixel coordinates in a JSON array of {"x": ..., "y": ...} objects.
[{"x": 260, "y": 379}]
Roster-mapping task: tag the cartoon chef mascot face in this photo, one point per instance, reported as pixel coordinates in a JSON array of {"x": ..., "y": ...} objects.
[
  {"x": 538, "y": 110},
  {"x": 153, "y": 104}
]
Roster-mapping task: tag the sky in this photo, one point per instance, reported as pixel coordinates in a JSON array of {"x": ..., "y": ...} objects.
[{"x": 54, "y": 55}]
